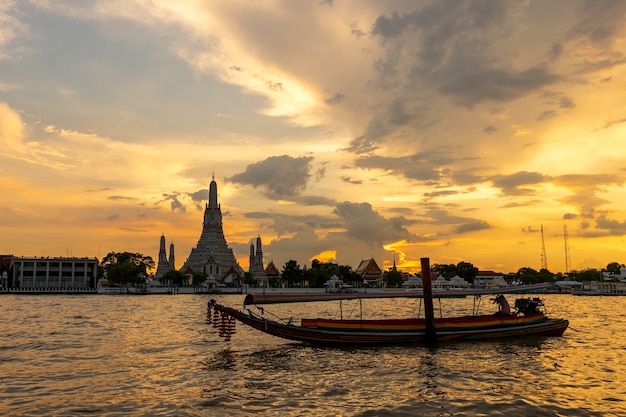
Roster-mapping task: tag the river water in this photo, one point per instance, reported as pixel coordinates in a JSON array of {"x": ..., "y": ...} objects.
[{"x": 97, "y": 355}]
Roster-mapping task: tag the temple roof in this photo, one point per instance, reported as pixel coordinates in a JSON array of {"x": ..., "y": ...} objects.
[
  {"x": 368, "y": 267},
  {"x": 271, "y": 270}
]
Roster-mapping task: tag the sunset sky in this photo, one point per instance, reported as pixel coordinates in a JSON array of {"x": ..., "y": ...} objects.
[{"x": 336, "y": 130}]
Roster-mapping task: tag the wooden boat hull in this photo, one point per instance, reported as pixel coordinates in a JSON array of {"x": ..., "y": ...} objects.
[{"x": 401, "y": 331}]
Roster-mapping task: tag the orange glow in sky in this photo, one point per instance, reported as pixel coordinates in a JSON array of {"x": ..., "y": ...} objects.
[{"x": 338, "y": 130}]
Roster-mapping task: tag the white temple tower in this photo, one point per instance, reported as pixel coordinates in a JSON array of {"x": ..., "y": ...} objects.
[
  {"x": 212, "y": 254},
  {"x": 256, "y": 261},
  {"x": 163, "y": 264},
  {"x": 172, "y": 261}
]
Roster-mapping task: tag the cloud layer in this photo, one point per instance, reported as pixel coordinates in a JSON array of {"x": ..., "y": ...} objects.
[{"x": 398, "y": 130}]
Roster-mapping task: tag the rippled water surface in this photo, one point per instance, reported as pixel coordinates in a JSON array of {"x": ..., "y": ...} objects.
[{"x": 155, "y": 356}]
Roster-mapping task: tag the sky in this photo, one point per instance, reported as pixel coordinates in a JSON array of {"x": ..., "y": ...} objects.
[{"x": 335, "y": 130}]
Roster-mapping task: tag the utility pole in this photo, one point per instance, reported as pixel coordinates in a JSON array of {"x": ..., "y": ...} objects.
[
  {"x": 567, "y": 259},
  {"x": 544, "y": 257}
]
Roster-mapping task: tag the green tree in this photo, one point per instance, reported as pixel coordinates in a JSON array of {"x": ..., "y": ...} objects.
[
  {"x": 527, "y": 275},
  {"x": 174, "y": 277},
  {"x": 545, "y": 276},
  {"x": 292, "y": 273},
  {"x": 586, "y": 275},
  {"x": 199, "y": 278},
  {"x": 445, "y": 270},
  {"x": 248, "y": 279},
  {"x": 393, "y": 278},
  {"x": 273, "y": 282},
  {"x": 467, "y": 271},
  {"x": 127, "y": 267},
  {"x": 614, "y": 268},
  {"x": 348, "y": 276},
  {"x": 320, "y": 272}
]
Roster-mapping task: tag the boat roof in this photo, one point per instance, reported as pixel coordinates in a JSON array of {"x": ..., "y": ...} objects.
[{"x": 413, "y": 293}]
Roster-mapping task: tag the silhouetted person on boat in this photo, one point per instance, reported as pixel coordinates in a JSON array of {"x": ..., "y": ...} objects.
[{"x": 504, "y": 309}]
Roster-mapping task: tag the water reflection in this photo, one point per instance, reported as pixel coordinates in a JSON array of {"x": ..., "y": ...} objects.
[
  {"x": 224, "y": 359},
  {"x": 140, "y": 356}
]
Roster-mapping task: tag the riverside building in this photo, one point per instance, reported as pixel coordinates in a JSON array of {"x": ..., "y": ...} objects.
[{"x": 53, "y": 274}]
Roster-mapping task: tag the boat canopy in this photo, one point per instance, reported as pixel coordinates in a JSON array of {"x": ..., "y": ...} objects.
[{"x": 413, "y": 293}]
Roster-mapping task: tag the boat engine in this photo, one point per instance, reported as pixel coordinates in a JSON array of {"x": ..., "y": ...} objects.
[{"x": 528, "y": 305}]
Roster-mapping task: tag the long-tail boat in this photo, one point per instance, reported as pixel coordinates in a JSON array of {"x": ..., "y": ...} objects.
[{"x": 528, "y": 319}]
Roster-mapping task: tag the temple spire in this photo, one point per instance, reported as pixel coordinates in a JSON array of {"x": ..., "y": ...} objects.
[
  {"x": 259, "y": 249},
  {"x": 213, "y": 194}
]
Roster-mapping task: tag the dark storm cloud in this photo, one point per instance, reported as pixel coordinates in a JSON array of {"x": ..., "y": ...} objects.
[
  {"x": 555, "y": 99},
  {"x": 400, "y": 112},
  {"x": 592, "y": 181},
  {"x": 315, "y": 201},
  {"x": 558, "y": 99},
  {"x": 280, "y": 177},
  {"x": 496, "y": 84},
  {"x": 611, "y": 226},
  {"x": 585, "y": 190},
  {"x": 442, "y": 193},
  {"x": 300, "y": 247},
  {"x": 421, "y": 166},
  {"x": 199, "y": 196},
  {"x": 351, "y": 181},
  {"x": 370, "y": 140},
  {"x": 442, "y": 19},
  {"x": 519, "y": 183},
  {"x": 567, "y": 103},
  {"x": 466, "y": 177},
  {"x": 355, "y": 230},
  {"x": 473, "y": 226},
  {"x": 336, "y": 99},
  {"x": 437, "y": 215},
  {"x": 362, "y": 222},
  {"x": 614, "y": 122},
  {"x": 600, "y": 22},
  {"x": 175, "y": 203},
  {"x": 548, "y": 114},
  {"x": 289, "y": 223},
  {"x": 524, "y": 203},
  {"x": 446, "y": 48},
  {"x": 452, "y": 41},
  {"x": 490, "y": 129}
]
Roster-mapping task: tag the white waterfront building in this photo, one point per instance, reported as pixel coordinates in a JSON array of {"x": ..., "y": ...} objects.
[{"x": 45, "y": 273}]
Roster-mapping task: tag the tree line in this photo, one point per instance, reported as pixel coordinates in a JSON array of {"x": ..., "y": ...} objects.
[{"x": 124, "y": 268}]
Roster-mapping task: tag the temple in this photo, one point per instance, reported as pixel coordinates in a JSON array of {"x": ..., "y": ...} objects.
[
  {"x": 212, "y": 255},
  {"x": 164, "y": 264},
  {"x": 256, "y": 263}
]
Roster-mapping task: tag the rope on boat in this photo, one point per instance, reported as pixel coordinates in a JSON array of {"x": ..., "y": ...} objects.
[{"x": 262, "y": 310}]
